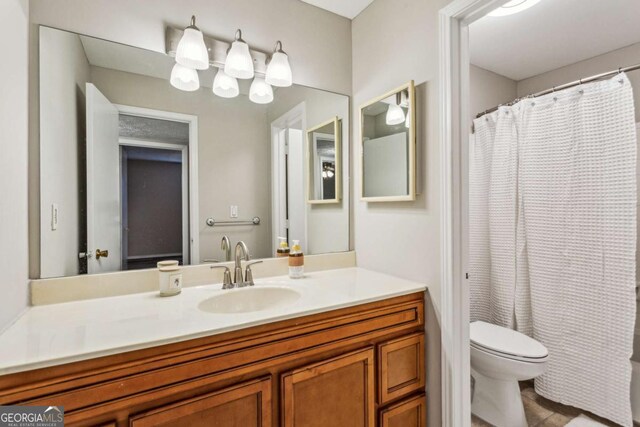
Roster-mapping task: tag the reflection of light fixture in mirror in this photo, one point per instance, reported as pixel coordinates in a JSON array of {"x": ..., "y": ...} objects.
[
  {"x": 407, "y": 122},
  {"x": 224, "y": 85},
  {"x": 514, "y": 6},
  {"x": 191, "y": 51},
  {"x": 395, "y": 115},
  {"x": 278, "y": 68},
  {"x": 328, "y": 170},
  {"x": 184, "y": 78},
  {"x": 260, "y": 91},
  {"x": 239, "y": 63}
]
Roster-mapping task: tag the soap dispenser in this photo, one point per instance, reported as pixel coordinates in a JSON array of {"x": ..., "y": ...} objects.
[
  {"x": 283, "y": 248},
  {"x": 296, "y": 261}
]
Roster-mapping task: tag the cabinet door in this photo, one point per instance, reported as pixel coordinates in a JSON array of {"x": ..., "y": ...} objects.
[
  {"x": 410, "y": 412},
  {"x": 337, "y": 392},
  {"x": 402, "y": 367},
  {"x": 247, "y": 405}
]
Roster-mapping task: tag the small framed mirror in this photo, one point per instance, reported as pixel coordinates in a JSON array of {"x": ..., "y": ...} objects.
[
  {"x": 325, "y": 162},
  {"x": 388, "y": 132}
]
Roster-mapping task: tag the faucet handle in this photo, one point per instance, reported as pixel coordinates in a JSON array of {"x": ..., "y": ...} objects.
[
  {"x": 226, "y": 282},
  {"x": 248, "y": 274}
]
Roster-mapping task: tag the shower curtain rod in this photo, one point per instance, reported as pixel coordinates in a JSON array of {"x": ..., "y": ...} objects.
[{"x": 564, "y": 86}]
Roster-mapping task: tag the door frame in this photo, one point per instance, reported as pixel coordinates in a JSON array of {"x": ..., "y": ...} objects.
[
  {"x": 278, "y": 165},
  {"x": 192, "y": 254},
  {"x": 454, "y": 126},
  {"x": 184, "y": 153}
]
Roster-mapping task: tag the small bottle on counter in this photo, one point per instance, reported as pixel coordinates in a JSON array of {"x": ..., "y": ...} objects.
[
  {"x": 170, "y": 278},
  {"x": 296, "y": 261},
  {"x": 283, "y": 248}
]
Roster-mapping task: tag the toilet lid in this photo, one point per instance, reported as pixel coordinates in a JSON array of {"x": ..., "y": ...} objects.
[{"x": 505, "y": 341}]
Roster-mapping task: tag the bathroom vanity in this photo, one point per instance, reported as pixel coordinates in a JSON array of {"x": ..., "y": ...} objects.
[{"x": 350, "y": 351}]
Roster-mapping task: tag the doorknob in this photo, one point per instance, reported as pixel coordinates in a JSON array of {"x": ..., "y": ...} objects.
[{"x": 102, "y": 254}]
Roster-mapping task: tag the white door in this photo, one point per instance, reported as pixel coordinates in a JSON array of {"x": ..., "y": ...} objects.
[
  {"x": 297, "y": 204},
  {"x": 103, "y": 184}
]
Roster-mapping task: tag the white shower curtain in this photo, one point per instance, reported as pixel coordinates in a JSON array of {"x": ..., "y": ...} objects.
[{"x": 553, "y": 236}]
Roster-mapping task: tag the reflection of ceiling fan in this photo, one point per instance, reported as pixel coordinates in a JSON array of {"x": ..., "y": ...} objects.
[{"x": 328, "y": 170}]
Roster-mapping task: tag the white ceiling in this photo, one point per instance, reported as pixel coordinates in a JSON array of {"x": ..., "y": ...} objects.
[
  {"x": 347, "y": 8},
  {"x": 552, "y": 34}
]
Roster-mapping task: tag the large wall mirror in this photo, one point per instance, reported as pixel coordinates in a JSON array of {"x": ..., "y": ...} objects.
[
  {"x": 388, "y": 132},
  {"x": 134, "y": 171},
  {"x": 325, "y": 162}
]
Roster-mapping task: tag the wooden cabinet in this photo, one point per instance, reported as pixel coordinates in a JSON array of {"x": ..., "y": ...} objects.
[
  {"x": 411, "y": 412},
  {"x": 337, "y": 392},
  {"x": 316, "y": 370},
  {"x": 401, "y": 367},
  {"x": 247, "y": 405}
]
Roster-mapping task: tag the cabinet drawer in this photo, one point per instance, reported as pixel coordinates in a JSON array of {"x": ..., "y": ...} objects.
[
  {"x": 401, "y": 368},
  {"x": 411, "y": 412},
  {"x": 337, "y": 392},
  {"x": 246, "y": 404}
]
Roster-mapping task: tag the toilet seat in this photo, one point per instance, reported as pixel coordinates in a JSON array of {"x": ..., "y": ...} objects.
[{"x": 507, "y": 343}]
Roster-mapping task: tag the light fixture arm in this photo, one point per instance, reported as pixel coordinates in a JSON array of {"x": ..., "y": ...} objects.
[
  {"x": 238, "y": 36},
  {"x": 192, "y": 24}
]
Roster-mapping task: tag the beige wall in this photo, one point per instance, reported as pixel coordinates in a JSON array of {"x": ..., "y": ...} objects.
[
  {"x": 233, "y": 153},
  {"x": 394, "y": 41},
  {"x": 489, "y": 89},
  {"x": 62, "y": 86},
  {"x": 317, "y": 41},
  {"x": 624, "y": 57},
  {"x": 320, "y": 107},
  {"x": 13, "y": 162}
]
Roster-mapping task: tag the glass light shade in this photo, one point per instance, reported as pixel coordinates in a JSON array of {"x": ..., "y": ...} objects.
[
  {"x": 184, "y": 78},
  {"x": 260, "y": 91},
  {"x": 225, "y": 86},
  {"x": 514, "y": 6},
  {"x": 407, "y": 123},
  {"x": 239, "y": 63},
  {"x": 279, "y": 70},
  {"x": 395, "y": 115},
  {"x": 192, "y": 52}
]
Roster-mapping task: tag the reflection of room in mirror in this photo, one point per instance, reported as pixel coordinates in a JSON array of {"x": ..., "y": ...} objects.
[
  {"x": 225, "y": 147},
  {"x": 388, "y": 145},
  {"x": 324, "y": 163}
]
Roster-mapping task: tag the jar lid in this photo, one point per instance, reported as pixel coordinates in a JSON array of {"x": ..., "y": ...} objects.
[{"x": 167, "y": 268}]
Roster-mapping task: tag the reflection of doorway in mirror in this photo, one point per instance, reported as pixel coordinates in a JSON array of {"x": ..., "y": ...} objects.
[
  {"x": 324, "y": 166},
  {"x": 151, "y": 179},
  {"x": 289, "y": 211}
]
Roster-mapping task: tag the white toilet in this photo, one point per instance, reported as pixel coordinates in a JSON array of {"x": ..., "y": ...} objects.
[{"x": 501, "y": 357}]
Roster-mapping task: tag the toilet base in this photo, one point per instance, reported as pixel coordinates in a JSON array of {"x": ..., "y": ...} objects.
[{"x": 497, "y": 402}]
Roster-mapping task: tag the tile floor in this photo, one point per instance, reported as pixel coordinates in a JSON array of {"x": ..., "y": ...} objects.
[{"x": 542, "y": 412}]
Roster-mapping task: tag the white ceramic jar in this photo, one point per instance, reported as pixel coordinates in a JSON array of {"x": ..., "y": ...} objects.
[{"x": 170, "y": 278}]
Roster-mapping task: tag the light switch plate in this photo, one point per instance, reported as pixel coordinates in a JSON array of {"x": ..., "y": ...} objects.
[
  {"x": 233, "y": 211},
  {"x": 54, "y": 216}
]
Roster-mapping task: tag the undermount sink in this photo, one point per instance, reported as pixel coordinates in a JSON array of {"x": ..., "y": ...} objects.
[{"x": 249, "y": 299}]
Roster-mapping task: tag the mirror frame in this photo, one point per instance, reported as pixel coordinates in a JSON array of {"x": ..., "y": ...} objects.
[
  {"x": 337, "y": 131},
  {"x": 411, "y": 196}
]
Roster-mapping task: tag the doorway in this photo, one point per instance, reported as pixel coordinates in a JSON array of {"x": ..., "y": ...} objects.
[
  {"x": 289, "y": 180},
  {"x": 153, "y": 203}
]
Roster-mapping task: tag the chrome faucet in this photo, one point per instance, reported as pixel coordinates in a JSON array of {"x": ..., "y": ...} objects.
[
  {"x": 225, "y": 245},
  {"x": 241, "y": 252}
]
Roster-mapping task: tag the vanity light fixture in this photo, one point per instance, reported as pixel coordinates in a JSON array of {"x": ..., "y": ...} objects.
[
  {"x": 407, "y": 123},
  {"x": 239, "y": 63},
  {"x": 192, "y": 51},
  {"x": 514, "y": 6},
  {"x": 260, "y": 91},
  {"x": 225, "y": 86},
  {"x": 395, "y": 115},
  {"x": 184, "y": 78},
  {"x": 278, "y": 68}
]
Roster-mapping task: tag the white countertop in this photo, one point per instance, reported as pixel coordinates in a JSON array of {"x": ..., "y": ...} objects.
[{"x": 61, "y": 333}]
